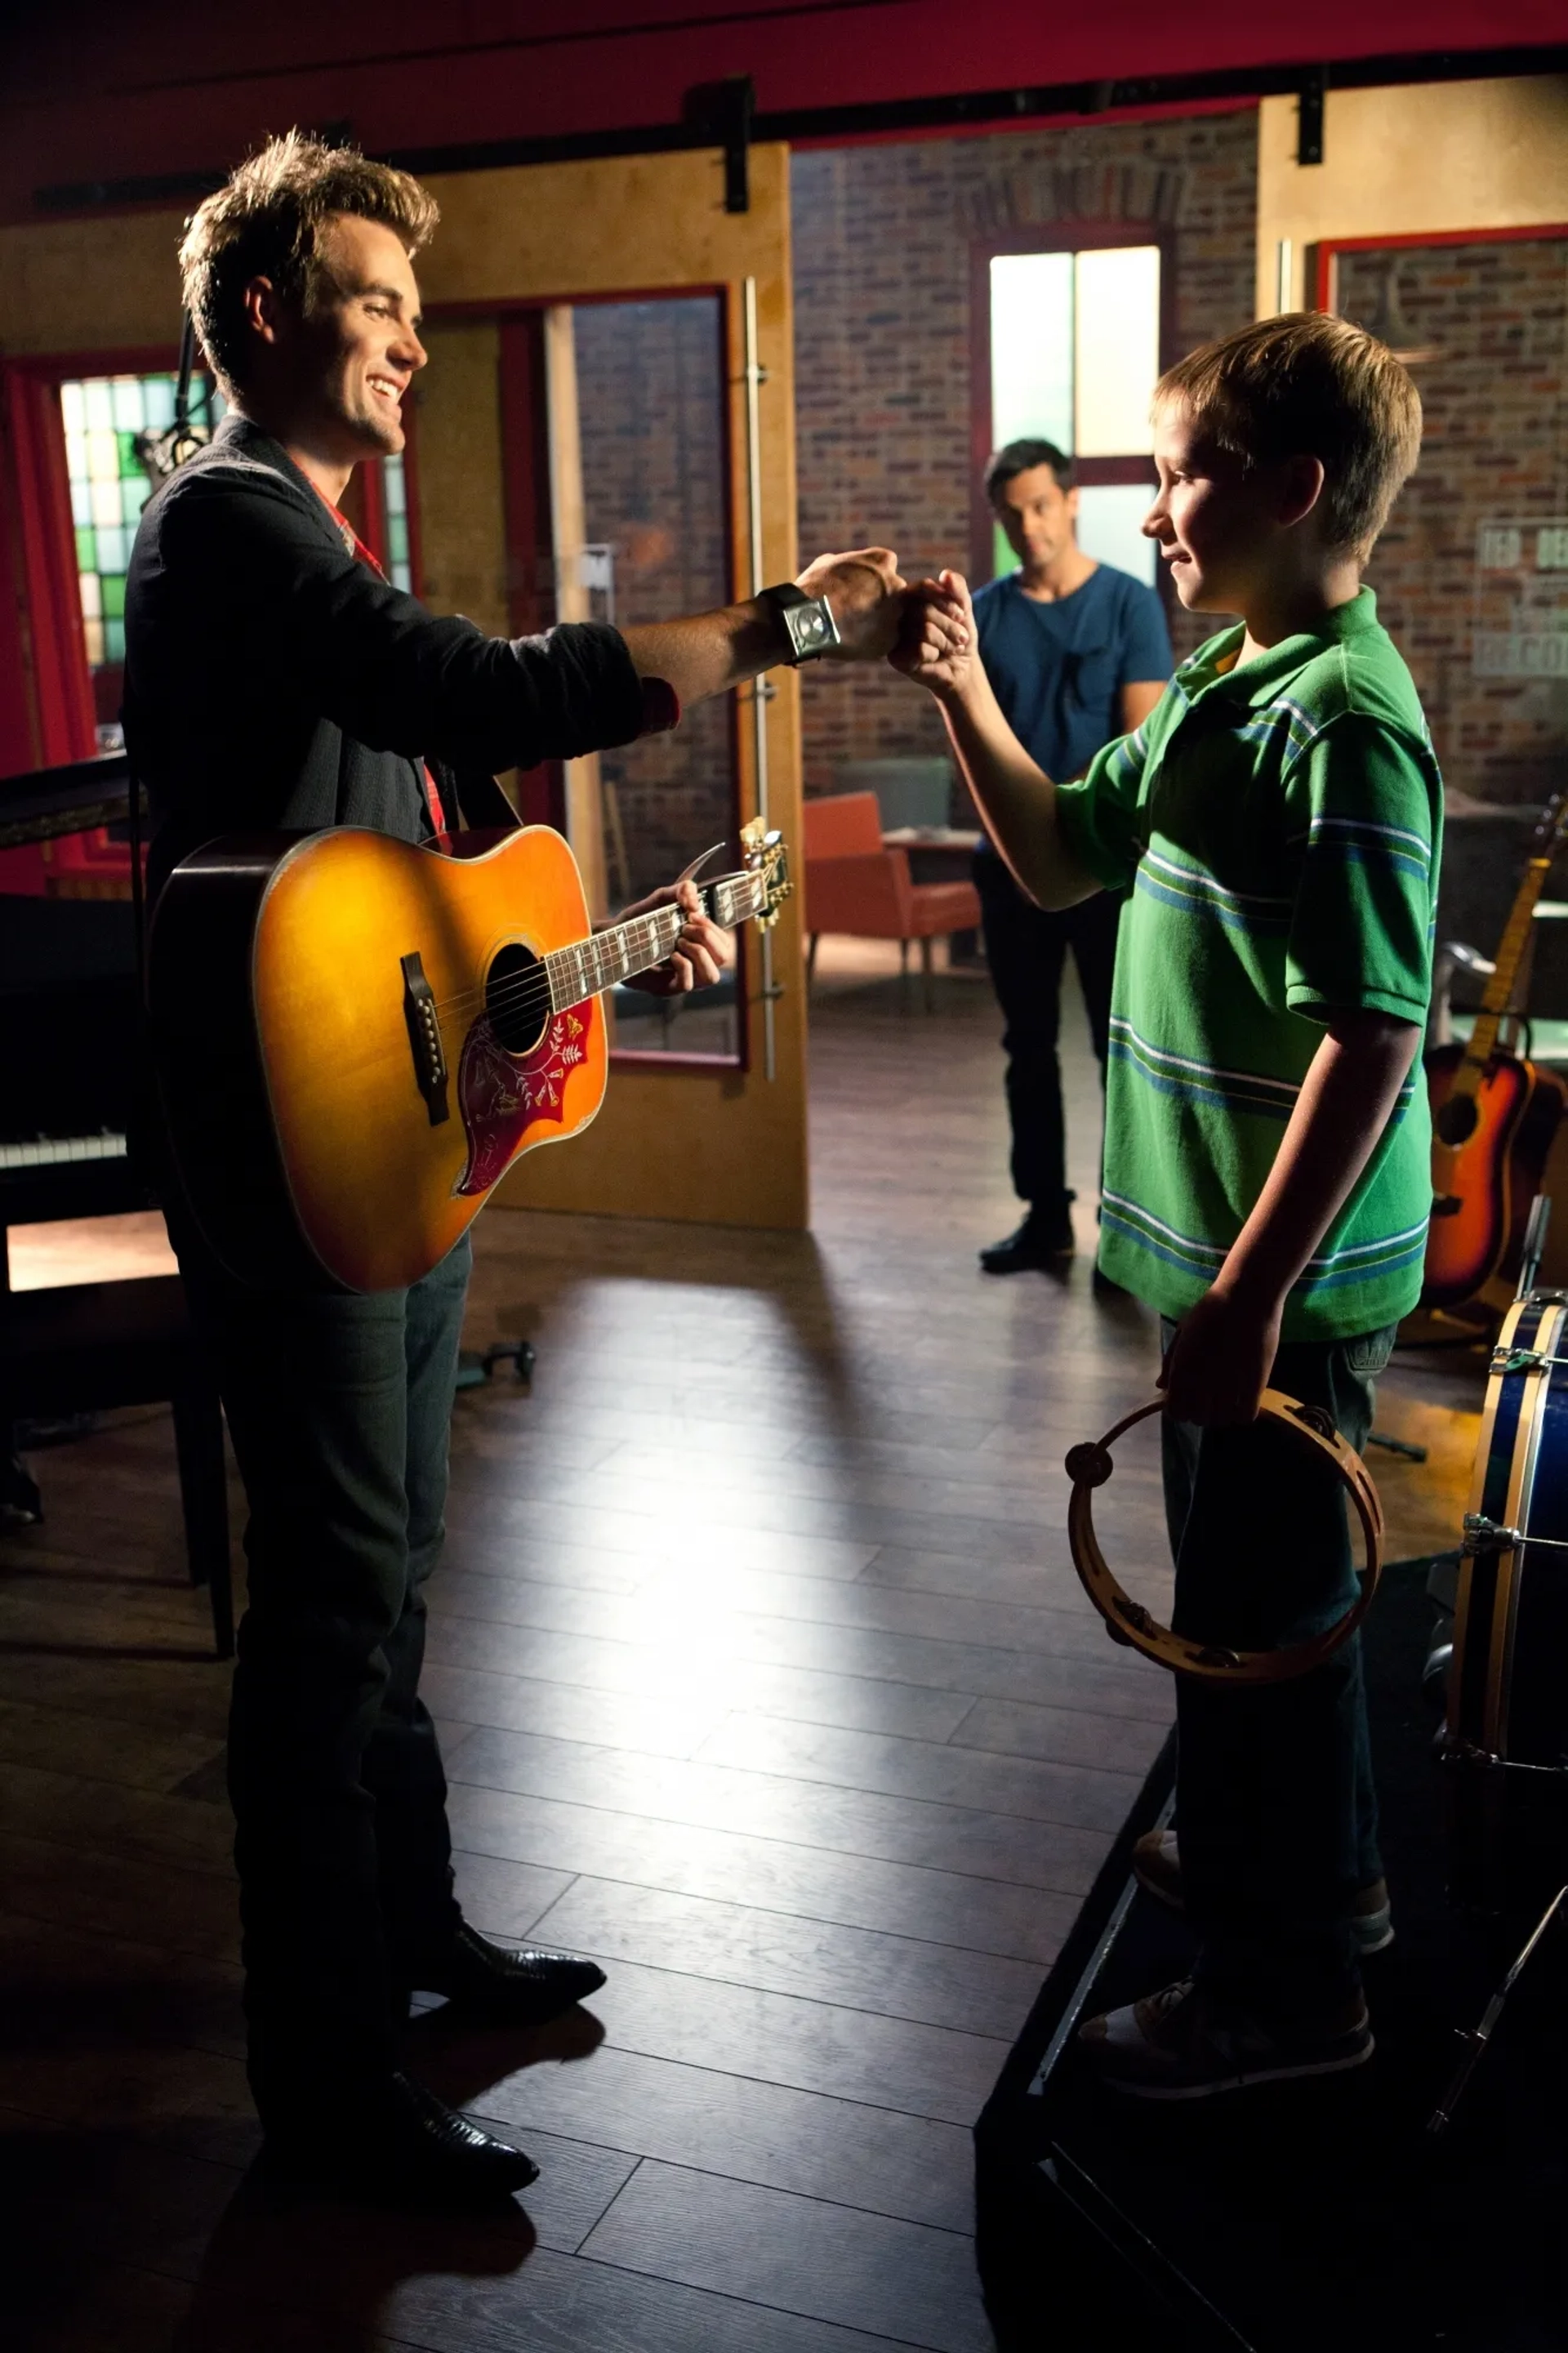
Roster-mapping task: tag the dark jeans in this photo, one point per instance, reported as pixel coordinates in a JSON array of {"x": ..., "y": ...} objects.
[
  {"x": 1026, "y": 949},
  {"x": 1275, "y": 1803},
  {"x": 340, "y": 1410}
]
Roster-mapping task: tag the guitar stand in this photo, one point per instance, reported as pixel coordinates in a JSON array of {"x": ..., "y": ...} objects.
[
  {"x": 1396, "y": 1445},
  {"x": 476, "y": 1365},
  {"x": 21, "y": 1503},
  {"x": 1475, "y": 2039}
]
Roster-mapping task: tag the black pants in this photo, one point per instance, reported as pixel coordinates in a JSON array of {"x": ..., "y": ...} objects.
[
  {"x": 1276, "y": 1809},
  {"x": 340, "y": 1410},
  {"x": 1026, "y": 949}
]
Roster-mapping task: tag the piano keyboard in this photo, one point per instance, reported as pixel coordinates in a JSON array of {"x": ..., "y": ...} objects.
[{"x": 61, "y": 1151}]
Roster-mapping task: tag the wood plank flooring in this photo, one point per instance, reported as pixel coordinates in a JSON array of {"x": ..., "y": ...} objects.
[{"x": 764, "y": 1677}]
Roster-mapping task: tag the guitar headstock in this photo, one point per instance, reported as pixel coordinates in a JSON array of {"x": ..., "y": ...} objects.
[
  {"x": 1551, "y": 827},
  {"x": 758, "y": 891},
  {"x": 767, "y": 862}
]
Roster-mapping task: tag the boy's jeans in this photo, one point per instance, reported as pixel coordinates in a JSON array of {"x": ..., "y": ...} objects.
[{"x": 1275, "y": 1805}]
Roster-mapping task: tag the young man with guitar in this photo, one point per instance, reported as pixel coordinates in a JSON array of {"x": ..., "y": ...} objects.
[{"x": 275, "y": 680}]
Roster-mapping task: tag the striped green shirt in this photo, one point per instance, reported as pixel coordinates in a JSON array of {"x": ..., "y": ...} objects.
[{"x": 1281, "y": 823}]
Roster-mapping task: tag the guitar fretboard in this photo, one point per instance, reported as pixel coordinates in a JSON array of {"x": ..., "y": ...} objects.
[
  {"x": 1510, "y": 955},
  {"x": 625, "y": 949}
]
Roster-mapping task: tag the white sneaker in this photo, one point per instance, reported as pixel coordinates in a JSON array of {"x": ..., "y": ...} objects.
[{"x": 1182, "y": 2044}]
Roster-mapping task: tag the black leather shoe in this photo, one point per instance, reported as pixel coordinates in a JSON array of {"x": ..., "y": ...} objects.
[
  {"x": 401, "y": 2142},
  {"x": 505, "y": 1988},
  {"x": 1045, "y": 1239}
]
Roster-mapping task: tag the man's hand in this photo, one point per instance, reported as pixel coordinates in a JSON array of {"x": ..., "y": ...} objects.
[
  {"x": 936, "y": 646},
  {"x": 700, "y": 955},
  {"x": 866, "y": 595},
  {"x": 1218, "y": 1364}
]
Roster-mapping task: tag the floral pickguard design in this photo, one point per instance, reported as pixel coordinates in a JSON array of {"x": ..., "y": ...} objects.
[{"x": 501, "y": 1095}]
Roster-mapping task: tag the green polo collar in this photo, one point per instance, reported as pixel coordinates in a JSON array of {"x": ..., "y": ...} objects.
[{"x": 1261, "y": 681}]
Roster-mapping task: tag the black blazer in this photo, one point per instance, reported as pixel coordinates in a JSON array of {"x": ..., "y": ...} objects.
[{"x": 272, "y": 680}]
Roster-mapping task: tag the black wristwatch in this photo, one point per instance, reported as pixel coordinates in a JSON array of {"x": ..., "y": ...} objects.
[{"x": 805, "y": 623}]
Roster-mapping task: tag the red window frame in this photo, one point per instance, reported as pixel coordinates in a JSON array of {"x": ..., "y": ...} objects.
[
  {"x": 364, "y": 504},
  {"x": 1323, "y": 258}
]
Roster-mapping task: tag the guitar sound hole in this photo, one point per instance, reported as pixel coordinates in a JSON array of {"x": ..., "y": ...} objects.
[
  {"x": 1457, "y": 1120},
  {"x": 516, "y": 998}
]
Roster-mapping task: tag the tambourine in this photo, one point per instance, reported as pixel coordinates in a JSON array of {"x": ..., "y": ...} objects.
[{"x": 1090, "y": 1466}]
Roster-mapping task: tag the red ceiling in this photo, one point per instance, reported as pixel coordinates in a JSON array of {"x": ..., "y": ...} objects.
[{"x": 98, "y": 92}]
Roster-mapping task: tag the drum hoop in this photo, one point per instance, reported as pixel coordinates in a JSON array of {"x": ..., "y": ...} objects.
[
  {"x": 1480, "y": 1695},
  {"x": 1090, "y": 1466}
]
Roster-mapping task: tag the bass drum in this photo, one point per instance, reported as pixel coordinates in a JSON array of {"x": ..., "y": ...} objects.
[{"x": 1506, "y": 1738}]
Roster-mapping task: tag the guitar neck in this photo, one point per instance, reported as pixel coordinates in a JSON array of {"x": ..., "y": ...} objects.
[
  {"x": 1510, "y": 955},
  {"x": 623, "y": 950}
]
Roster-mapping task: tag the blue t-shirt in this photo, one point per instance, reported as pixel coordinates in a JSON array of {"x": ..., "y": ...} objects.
[{"x": 1057, "y": 669}]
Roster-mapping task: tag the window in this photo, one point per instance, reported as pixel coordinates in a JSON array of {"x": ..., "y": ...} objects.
[
  {"x": 110, "y": 485},
  {"x": 1068, "y": 341},
  {"x": 104, "y": 417},
  {"x": 378, "y": 503},
  {"x": 397, "y": 559}
]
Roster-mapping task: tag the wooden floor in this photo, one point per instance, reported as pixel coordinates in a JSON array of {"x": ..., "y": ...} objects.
[{"x": 764, "y": 1677}]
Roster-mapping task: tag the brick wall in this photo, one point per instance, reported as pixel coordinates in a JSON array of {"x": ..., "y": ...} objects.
[
  {"x": 650, "y": 392},
  {"x": 1492, "y": 319},
  {"x": 882, "y": 240}
]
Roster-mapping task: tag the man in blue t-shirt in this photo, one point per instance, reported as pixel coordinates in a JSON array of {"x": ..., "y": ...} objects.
[{"x": 1077, "y": 654}]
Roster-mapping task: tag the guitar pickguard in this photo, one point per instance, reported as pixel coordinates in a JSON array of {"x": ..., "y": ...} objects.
[{"x": 501, "y": 1096}]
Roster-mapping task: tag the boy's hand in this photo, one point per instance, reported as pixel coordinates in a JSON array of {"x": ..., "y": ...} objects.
[
  {"x": 936, "y": 645},
  {"x": 1219, "y": 1361}
]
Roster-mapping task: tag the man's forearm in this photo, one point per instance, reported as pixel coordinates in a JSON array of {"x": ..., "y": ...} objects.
[
  {"x": 708, "y": 653},
  {"x": 1014, "y": 797},
  {"x": 1344, "y": 1105}
]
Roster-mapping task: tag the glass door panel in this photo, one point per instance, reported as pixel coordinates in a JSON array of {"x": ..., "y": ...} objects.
[{"x": 651, "y": 403}]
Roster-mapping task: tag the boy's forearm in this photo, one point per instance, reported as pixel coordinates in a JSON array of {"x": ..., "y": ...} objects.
[
  {"x": 1014, "y": 797},
  {"x": 1343, "y": 1107}
]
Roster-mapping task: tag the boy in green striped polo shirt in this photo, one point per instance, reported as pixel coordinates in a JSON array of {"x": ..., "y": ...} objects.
[{"x": 1267, "y": 1156}]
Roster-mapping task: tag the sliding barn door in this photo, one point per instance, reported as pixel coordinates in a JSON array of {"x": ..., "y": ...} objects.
[{"x": 588, "y": 444}]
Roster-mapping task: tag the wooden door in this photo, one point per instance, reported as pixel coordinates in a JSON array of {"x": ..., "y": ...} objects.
[{"x": 714, "y": 1139}]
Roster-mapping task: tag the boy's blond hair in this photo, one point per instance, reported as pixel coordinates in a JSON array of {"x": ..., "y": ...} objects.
[
  {"x": 1308, "y": 381},
  {"x": 266, "y": 221}
]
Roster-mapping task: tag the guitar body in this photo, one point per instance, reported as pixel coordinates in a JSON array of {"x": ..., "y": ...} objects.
[
  {"x": 1483, "y": 1180},
  {"x": 350, "y": 1048}
]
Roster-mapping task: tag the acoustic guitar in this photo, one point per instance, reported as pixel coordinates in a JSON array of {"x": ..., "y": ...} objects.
[
  {"x": 356, "y": 1038},
  {"x": 1494, "y": 1115}
]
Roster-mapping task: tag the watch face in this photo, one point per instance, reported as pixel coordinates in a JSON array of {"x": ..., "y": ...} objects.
[{"x": 811, "y": 628}]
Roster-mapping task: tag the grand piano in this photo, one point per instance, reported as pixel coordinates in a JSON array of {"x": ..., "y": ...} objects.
[{"x": 67, "y": 1011}]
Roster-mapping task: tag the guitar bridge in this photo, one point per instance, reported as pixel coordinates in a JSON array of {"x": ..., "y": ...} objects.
[
  {"x": 1447, "y": 1205},
  {"x": 424, "y": 1039}
]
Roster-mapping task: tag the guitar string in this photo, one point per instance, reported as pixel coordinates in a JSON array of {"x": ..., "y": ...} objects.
[
  {"x": 539, "y": 978},
  {"x": 650, "y": 923},
  {"x": 533, "y": 987}
]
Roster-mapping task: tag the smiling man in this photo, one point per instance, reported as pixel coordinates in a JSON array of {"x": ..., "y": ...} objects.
[{"x": 275, "y": 679}]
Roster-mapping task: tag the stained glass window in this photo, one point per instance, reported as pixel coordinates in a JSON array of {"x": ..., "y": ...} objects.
[
  {"x": 1075, "y": 352},
  {"x": 109, "y": 485}
]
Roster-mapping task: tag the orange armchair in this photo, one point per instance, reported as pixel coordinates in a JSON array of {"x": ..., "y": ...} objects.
[{"x": 853, "y": 884}]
